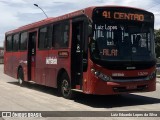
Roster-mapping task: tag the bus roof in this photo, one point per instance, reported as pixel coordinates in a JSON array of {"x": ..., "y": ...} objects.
[{"x": 87, "y": 11}]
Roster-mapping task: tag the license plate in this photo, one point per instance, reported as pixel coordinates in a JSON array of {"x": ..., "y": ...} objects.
[{"x": 131, "y": 87}]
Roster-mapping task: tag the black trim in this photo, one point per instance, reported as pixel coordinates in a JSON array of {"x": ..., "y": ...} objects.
[{"x": 122, "y": 65}]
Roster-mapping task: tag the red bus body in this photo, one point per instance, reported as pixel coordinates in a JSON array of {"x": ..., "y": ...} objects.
[{"x": 46, "y": 66}]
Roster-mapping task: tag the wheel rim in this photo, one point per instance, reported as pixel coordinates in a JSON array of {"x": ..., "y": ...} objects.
[{"x": 65, "y": 88}]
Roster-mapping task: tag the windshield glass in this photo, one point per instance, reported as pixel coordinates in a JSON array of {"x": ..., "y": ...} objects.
[{"x": 119, "y": 41}]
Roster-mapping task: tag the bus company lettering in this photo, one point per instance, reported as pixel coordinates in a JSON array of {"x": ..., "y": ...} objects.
[
  {"x": 51, "y": 60},
  {"x": 108, "y": 52},
  {"x": 117, "y": 74},
  {"x": 123, "y": 15}
]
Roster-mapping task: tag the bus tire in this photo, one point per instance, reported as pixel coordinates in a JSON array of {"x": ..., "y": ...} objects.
[
  {"x": 20, "y": 77},
  {"x": 65, "y": 87}
]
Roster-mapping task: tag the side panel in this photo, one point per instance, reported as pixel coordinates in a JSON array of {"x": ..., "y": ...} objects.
[
  {"x": 15, "y": 62},
  {"x": 59, "y": 63},
  {"x": 51, "y": 77},
  {"x": 52, "y": 67},
  {"x": 23, "y": 63},
  {"x": 14, "y": 59},
  {"x": 8, "y": 64},
  {"x": 41, "y": 66}
]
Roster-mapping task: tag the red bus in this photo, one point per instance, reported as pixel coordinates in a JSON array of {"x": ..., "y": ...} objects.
[{"x": 98, "y": 50}]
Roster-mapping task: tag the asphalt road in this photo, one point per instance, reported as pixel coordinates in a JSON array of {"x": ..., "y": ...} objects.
[{"x": 34, "y": 97}]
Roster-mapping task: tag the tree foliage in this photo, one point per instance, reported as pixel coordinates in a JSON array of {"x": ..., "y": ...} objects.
[{"x": 157, "y": 42}]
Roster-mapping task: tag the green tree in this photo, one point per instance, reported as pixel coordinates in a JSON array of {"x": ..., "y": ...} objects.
[{"x": 157, "y": 42}]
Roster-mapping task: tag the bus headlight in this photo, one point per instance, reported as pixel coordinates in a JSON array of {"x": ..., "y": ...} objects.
[
  {"x": 151, "y": 76},
  {"x": 102, "y": 76}
]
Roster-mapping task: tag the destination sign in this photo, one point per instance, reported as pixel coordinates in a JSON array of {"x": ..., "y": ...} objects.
[
  {"x": 128, "y": 14},
  {"x": 123, "y": 15}
]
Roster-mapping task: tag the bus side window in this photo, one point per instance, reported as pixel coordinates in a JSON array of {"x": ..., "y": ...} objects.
[
  {"x": 45, "y": 37},
  {"x": 49, "y": 36},
  {"x": 42, "y": 44},
  {"x": 9, "y": 43},
  {"x": 56, "y": 35},
  {"x": 23, "y": 41},
  {"x": 16, "y": 42},
  {"x": 61, "y": 35},
  {"x": 65, "y": 35}
]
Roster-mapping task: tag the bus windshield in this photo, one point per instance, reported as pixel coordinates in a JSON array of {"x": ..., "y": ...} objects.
[
  {"x": 122, "y": 37},
  {"x": 124, "y": 42}
]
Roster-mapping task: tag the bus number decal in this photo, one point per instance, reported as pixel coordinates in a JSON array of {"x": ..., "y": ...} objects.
[
  {"x": 106, "y": 14},
  {"x": 51, "y": 60}
]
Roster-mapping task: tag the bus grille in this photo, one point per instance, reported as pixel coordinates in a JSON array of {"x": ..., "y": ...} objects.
[{"x": 127, "y": 79}]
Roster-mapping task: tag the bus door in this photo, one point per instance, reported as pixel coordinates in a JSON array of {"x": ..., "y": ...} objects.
[
  {"x": 77, "y": 53},
  {"x": 32, "y": 55}
]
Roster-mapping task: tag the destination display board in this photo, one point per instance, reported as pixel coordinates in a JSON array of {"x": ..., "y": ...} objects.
[{"x": 122, "y": 13}]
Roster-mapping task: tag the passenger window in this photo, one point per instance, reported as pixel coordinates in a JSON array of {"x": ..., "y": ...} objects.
[
  {"x": 15, "y": 42},
  {"x": 65, "y": 34},
  {"x": 45, "y": 37},
  {"x": 23, "y": 41},
  {"x": 61, "y": 35},
  {"x": 57, "y": 36},
  {"x": 49, "y": 36},
  {"x": 9, "y": 43}
]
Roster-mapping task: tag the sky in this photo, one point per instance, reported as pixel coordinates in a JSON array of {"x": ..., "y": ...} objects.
[{"x": 16, "y": 13}]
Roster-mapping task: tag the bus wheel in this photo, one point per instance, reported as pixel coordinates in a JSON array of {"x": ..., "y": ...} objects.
[
  {"x": 20, "y": 77},
  {"x": 66, "y": 87}
]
